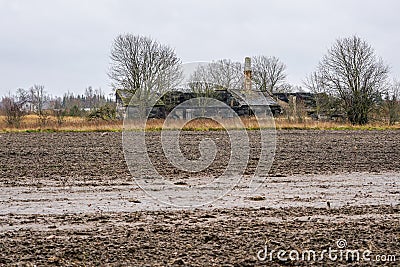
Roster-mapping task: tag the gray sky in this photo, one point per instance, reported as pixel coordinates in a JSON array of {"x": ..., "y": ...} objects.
[{"x": 65, "y": 44}]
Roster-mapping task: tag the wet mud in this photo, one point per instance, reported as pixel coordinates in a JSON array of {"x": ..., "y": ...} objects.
[{"x": 68, "y": 199}]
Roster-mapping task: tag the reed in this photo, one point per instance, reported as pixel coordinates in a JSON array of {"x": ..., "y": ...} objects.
[{"x": 31, "y": 123}]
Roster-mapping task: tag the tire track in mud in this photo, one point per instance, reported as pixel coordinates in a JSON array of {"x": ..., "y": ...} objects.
[{"x": 98, "y": 216}]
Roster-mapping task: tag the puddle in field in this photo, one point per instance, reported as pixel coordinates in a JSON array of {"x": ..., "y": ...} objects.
[{"x": 355, "y": 189}]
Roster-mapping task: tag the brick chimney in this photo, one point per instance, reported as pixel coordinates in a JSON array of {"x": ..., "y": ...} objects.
[{"x": 247, "y": 73}]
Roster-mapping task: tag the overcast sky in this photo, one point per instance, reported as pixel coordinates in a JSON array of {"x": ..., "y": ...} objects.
[{"x": 65, "y": 44}]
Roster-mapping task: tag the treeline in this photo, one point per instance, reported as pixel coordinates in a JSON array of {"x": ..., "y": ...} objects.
[
  {"x": 350, "y": 80},
  {"x": 80, "y": 104},
  {"x": 93, "y": 104},
  {"x": 297, "y": 107}
]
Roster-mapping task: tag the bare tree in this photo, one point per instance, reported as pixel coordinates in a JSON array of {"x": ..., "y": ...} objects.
[
  {"x": 58, "y": 110},
  {"x": 13, "y": 108},
  {"x": 221, "y": 74},
  {"x": 90, "y": 97},
  {"x": 39, "y": 99},
  {"x": 143, "y": 68},
  {"x": 224, "y": 73},
  {"x": 325, "y": 104},
  {"x": 269, "y": 73},
  {"x": 198, "y": 83},
  {"x": 352, "y": 72}
]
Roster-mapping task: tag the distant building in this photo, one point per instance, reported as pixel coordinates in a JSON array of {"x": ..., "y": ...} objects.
[{"x": 245, "y": 101}]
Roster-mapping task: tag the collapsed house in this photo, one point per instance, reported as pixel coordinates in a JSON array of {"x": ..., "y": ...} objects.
[{"x": 245, "y": 101}]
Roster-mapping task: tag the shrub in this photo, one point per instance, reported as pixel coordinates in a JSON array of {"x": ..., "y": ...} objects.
[{"x": 106, "y": 112}]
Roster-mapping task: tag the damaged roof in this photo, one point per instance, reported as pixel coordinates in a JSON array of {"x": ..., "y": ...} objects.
[{"x": 252, "y": 98}]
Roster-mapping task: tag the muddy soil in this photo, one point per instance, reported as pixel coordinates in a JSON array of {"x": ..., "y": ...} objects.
[
  {"x": 227, "y": 237},
  {"x": 68, "y": 199},
  {"x": 85, "y": 158}
]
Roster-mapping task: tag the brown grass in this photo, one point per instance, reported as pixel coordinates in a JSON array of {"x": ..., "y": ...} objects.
[
  {"x": 309, "y": 124},
  {"x": 207, "y": 124},
  {"x": 31, "y": 123}
]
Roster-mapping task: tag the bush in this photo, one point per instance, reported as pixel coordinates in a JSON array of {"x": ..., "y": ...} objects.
[
  {"x": 75, "y": 111},
  {"x": 106, "y": 112},
  {"x": 13, "y": 111}
]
